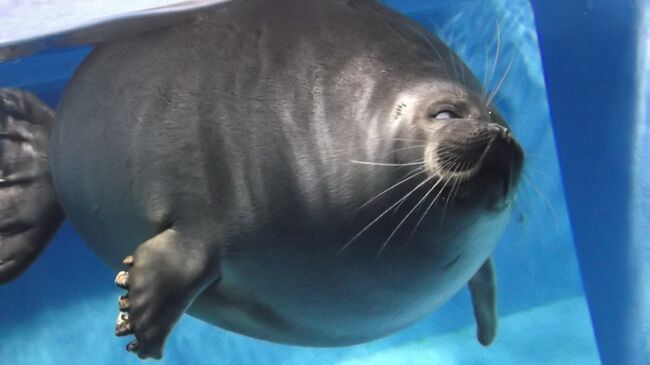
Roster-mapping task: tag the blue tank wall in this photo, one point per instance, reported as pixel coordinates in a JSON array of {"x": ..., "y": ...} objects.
[{"x": 593, "y": 54}]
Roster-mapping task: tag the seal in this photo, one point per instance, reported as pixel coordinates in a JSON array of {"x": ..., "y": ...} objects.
[{"x": 309, "y": 172}]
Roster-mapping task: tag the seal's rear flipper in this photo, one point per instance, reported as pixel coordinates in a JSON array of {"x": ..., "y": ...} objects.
[
  {"x": 29, "y": 211},
  {"x": 483, "y": 290}
]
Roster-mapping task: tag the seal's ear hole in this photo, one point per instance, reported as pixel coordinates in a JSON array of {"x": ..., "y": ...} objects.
[{"x": 444, "y": 115}]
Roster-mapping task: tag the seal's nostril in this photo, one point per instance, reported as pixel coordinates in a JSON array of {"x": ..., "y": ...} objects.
[{"x": 501, "y": 131}]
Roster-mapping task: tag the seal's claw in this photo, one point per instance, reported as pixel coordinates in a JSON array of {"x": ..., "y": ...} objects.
[
  {"x": 132, "y": 346},
  {"x": 121, "y": 279},
  {"x": 128, "y": 260},
  {"x": 122, "y": 326},
  {"x": 123, "y": 302}
]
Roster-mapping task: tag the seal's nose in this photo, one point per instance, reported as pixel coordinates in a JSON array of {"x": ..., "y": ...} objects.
[
  {"x": 503, "y": 156},
  {"x": 481, "y": 150},
  {"x": 499, "y": 130}
]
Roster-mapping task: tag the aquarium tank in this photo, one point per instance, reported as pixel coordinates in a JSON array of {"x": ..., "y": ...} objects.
[{"x": 572, "y": 265}]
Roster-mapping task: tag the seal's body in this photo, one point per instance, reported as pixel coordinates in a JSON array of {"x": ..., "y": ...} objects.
[{"x": 308, "y": 172}]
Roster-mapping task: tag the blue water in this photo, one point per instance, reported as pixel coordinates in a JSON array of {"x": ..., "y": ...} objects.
[{"x": 62, "y": 310}]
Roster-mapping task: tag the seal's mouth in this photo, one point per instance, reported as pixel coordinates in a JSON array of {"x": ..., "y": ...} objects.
[
  {"x": 494, "y": 187},
  {"x": 482, "y": 161}
]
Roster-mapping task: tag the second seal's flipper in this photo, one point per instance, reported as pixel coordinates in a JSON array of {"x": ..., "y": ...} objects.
[
  {"x": 29, "y": 211},
  {"x": 483, "y": 290}
]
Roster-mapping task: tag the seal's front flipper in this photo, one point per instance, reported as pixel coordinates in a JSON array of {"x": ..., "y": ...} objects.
[
  {"x": 483, "y": 289},
  {"x": 29, "y": 211},
  {"x": 165, "y": 274}
]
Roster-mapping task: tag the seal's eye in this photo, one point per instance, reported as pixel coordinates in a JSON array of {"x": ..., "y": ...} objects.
[{"x": 444, "y": 114}]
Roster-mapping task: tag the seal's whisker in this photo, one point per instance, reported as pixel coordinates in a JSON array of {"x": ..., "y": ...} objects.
[
  {"x": 449, "y": 164},
  {"x": 408, "y": 140},
  {"x": 441, "y": 191},
  {"x": 372, "y": 163},
  {"x": 463, "y": 78},
  {"x": 454, "y": 65},
  {"x": 426, "y": 39},
  {"x": 406, "y": 217},
  {"x": 540, "y": 174},
  {"x": 402, "y": 149},
  {"x": 361, "y": 147},
  {"x": 500, "y": 84},
  {"x": 485, "y": 73},
  {"x": 429, "y": 207},
  {"x": 498, "y": 100},
  {"x": 449, "y": 197},
  {"x": 433, "y": 202},
  {"x": 478, "y": 139},
  {"x": 496, "y": 56},
  {"x": 383, "y": 214},
  {"x": 458, "y": 167},
  {"x": 468, "y": 144},
  {"x": 456, "y": 164},
  {"x": 456, "y": 182},
  {"x": 454, "y": 189},
  {"x": 534, "y": 158},
  {"x": 420, "y": 170},
  {"x": 444, "y": 166},
  {"x": 544, "y": 198},
  {"x": 415, "y": 170},
  {"x": 453, "y": 39},
  {"x": 450, "y": 40},
  {"x": 433, "y": 173},
  {"x": 419, "y": 34}
]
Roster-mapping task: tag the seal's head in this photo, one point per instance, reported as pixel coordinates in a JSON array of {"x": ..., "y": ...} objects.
[{"x": 469, "y": 151}]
